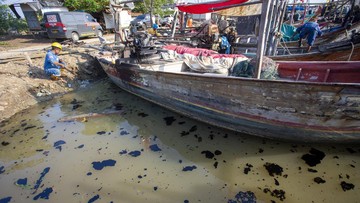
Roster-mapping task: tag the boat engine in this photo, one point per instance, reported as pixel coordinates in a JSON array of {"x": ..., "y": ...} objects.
[{"x": 143, "y": 47}]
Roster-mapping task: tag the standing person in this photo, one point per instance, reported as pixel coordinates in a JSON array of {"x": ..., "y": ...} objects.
[
  {"x": 309, "y": 30},
  {"x": 189, "y": 22},
  {"x": 52, "y": 64}
]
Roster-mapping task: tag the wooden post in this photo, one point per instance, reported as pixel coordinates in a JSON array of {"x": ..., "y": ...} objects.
[
  {"x": 262, "y": 37},
  {"x": 292, "y": 13},
  {"x": 305, "y": 11},
  {"x": 283, "y": 8},
  {"x": 173, "y": 28},
  {"x": 272, "y": 27}
]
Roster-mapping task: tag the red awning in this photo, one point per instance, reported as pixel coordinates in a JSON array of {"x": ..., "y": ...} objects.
[{"x": 208, "y": 7}]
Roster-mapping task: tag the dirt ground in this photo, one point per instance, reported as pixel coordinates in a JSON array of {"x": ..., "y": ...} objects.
[
  {"x": 23, "y": 82},
  {"x": 8, "y": 42}
]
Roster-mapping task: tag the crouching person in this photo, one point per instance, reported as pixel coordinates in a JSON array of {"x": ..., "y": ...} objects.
[{"x": 53, "y": 65}]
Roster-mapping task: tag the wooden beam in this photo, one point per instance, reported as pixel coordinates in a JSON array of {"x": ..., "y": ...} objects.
[{"x": 262, "y": 37}]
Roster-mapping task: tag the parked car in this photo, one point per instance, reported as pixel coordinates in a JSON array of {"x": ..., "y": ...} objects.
[
  {"x": 71, "y": 25},
  {"x": 142, "y": 21},
  {"x": 166, "y": 20}
]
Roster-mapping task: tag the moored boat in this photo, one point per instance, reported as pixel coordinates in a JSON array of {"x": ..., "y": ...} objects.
[
  {"x": 214, "y": 88},
  {"x": 277, "y": 109}
]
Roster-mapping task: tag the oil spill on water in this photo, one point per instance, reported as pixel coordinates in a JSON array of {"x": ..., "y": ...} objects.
[{"x": 149, "y": 154}]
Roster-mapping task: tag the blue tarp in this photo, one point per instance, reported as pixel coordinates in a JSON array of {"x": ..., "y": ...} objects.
[
  {"x": 297, "y": 8},
  {"x": 287, "y": 31}
]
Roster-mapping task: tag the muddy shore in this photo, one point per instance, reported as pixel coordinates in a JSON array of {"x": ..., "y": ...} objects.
[{"x": 22, "y": 79}]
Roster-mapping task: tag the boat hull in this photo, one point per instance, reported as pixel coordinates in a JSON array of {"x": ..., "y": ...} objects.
[{"x": 312, "y": 112}]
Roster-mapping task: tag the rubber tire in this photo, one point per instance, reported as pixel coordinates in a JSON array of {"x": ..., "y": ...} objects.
[
  {"x": 99, "y": 33},
  {"x": 75, "y": 36}
]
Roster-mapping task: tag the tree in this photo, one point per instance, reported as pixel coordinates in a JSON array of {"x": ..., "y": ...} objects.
[
  {"x": 145, "y": 6},
  {"x": 93, "y": 6},
  {"x": 8, "y": 21},
  {"x": 90, "y": 6}
]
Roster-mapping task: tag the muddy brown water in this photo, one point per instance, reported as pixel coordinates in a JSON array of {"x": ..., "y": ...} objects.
[{"x": 146, "y": 153}]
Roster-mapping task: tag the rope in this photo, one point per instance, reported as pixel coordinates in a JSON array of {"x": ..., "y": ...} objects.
[
  {"x": 352, "y": 51},
  {"x": 280, "y": 35}
]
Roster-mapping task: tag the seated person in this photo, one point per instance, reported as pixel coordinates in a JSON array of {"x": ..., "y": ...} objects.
[{"x": 153, "y": 30}]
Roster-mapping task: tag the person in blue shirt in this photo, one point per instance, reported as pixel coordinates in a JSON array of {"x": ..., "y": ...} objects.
[
  {"x": 52, "y": 64},
  {"x": 309, "y": 30}
]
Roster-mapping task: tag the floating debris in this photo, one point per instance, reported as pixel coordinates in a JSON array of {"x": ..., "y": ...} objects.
[
  {"x": 99, "y": 165},
  {"x": 58, "y": 144},
  {"x": 2, "y": 169},
  {"x": 273, "y": 169},
  {"x": 280, "y": 194},
  {"x": 243, "y": 197},
  {"x": 44, "y": 194},
  {"x": 29, "y": 127},
  {"x": 314, "y": 157},
  {"x": 135, "y": 153},
  {"x": 123, "y": 152},
  {"x": 5, "y": 200},
  {"x": 276, "y": 182},
  {"x": 93, "y": 199},
  {"x": 39, "y": 181},
  {"x": 208, "y": 154},
  {"x": 80, "y": 146},
  {"x": 169, "y": 120},
  {"x": 351, "y": 151},
  {"x": 217, "y": 152},
  {"x": 312, "y": 170},
  {"x": 347, "y": 186},
  {"x": 3, "y": 143},
  {"x": 154, "y": 148},
  {"x": 319, "y": 180},
  {"x": 143, "y": 115},
  {"x": 123, "y": 132},
  {"x": 247, "y": 169},
  {"x": 193, "y": 129},
  {"x": 22, "y": 182},
  {"x": 189, "y": 168},
  {"x": 216, "y": 164},
  {"x": 101, "y": 133}
]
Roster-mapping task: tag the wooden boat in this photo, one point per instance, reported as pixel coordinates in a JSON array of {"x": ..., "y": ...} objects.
[
  {"x": 320, "y": 71},
  {"x": 350, "y": 53},
  {"x": 277, "y": 109}
]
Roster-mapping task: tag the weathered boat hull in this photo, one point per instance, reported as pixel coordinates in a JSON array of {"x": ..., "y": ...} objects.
[{"x": 306, "y": 112}]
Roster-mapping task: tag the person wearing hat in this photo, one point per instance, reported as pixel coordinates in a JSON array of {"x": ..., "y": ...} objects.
[
  {"x": 53, "y": 65},
  {"x": 309, "y": 30},
  {"x": 153, "y": 30}
]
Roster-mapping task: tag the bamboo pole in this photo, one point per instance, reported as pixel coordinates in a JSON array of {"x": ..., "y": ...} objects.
[{"x": 262, "y": 37}]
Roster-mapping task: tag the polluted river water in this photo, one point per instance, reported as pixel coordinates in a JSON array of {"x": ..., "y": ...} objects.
[{"x": 139, "y": 152}]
